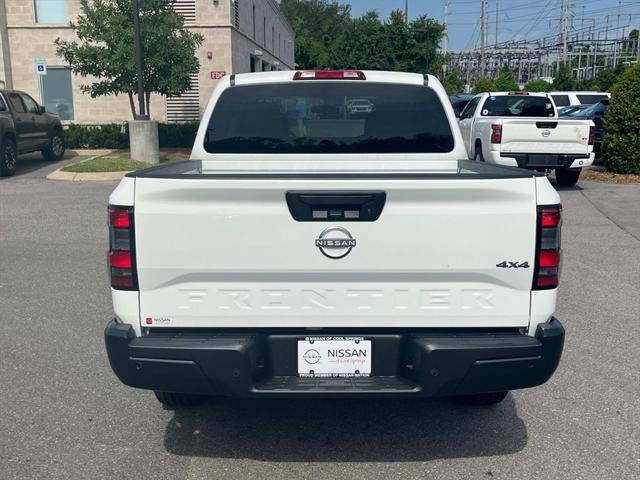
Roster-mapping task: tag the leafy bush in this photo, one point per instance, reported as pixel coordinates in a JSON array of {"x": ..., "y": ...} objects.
[
  {"x": 505, "y": 82},
  {"x": 102, "y": 136},
  {"x": 110, "y": 136},
  {"x": 452, "y": 83},
  {"x": 482, "y": 85},
  {"x": 607, "y": 77},
  {"x": 177, "y": 135},
  {"x": 621, "y": 144},
  {"x": 564, "y": 80},
  {"x": 539, "y": 85}
]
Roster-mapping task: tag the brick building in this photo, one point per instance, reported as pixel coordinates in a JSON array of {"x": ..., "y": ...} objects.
[{"x": 239, "y": 36}]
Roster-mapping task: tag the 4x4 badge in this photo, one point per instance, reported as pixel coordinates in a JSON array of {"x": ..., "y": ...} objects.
[{"x": 506, "y": 264}]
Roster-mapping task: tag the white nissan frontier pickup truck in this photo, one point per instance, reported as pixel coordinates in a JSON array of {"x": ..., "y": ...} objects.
[
  {"x": 312, "y": 249},
  {"x": 522, "y": 129}
]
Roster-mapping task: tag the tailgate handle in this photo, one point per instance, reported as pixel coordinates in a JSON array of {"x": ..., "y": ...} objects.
[
  {"x": 335, "y": 206},
  {"x": 546, "y": 124}
]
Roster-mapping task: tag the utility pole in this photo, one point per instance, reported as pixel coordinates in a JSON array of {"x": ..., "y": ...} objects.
[
  {"x": 6, "y": 51},
  {"x": 497, "y": 13},
  {"x": 482, "y": 38},
  {"x": 615, "y": 44},
  {"x": 445, "y": 21},
  {"x": 595, "y": 56},
  {"x": 406, "y": 11},
  {"x": 565, "y": 28},
  {"x": 638, "y": 46}
]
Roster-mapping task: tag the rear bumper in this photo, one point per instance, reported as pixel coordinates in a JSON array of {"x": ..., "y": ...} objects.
[
  {"x": 539, "y": 160},
  {"x": 264, "y": 364}
]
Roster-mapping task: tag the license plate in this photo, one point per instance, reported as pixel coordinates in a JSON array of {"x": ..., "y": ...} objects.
[{"x": 334, "y": 357}]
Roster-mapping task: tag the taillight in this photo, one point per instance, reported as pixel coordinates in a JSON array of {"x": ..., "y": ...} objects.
[
  {"x": 122, "y": 265},
  {"x": 592, "y": 135},
  {"x": 496, "y": 133},
  {"x": 329, "y": 75},
  {"x": 548, "y": 254}
]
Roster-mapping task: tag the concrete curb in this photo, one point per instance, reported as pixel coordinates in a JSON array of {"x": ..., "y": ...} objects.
[{"x": 59, "y": 175}]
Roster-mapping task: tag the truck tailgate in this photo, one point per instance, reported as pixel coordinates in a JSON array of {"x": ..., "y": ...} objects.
[
  {"x": 226, "y": 252},
  {"x": 554, "y": 136}
]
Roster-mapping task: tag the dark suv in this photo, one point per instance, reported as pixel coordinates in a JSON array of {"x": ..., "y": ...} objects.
[{"x": 26, "y": 127}]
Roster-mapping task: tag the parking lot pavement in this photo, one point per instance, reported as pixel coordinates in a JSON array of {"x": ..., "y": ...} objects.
[
  {"x": 64, "y": 415},
  {"x": 33, "y": 165}
]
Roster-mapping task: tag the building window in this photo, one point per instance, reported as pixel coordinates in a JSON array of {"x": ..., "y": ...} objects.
[
  {"x": 57, "y": 94},
  {"x": 264, "y": 31},
  {"x": 279, "y": 44},
  {"x": 51, "y": 11},
  {"x": 273, "y": 40}
]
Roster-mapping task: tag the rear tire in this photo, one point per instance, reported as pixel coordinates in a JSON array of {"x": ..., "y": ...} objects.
[
  {"x": 480, "y": 399},
  {"x": 478, "y": 155},
  {"x": 179, "y": 400},
  {"x": 8, "y": 157},
  {"x": 54, "y": 151},
  {"x": 566, "y": 177}
]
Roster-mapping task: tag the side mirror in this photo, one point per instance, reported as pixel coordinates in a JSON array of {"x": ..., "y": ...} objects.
[{"x": 41, "y": 109}]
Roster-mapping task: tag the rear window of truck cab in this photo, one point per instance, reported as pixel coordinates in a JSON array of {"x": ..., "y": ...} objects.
[
  {"x": 328, "y": 117},
  {"x": 517, "y": 106}
]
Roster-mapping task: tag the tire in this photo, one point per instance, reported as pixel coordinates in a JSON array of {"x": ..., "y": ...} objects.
[
  {"x": 8, "y": 157},
  {"x": 480, "y": 399},
  {"x": 54, "y": 151},
  {"x": 478, "y": 155},
  {"x": 566, "y": 177},
  {"x": 179, "y": 400}
]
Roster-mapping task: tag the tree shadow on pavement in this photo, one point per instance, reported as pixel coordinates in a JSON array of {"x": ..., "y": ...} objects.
[{"x": 352, "y": 430}]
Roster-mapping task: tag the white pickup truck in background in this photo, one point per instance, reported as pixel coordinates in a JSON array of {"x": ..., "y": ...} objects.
[
  {"x": 522, "y": 129},
  {"x": 317, "y": 244}
]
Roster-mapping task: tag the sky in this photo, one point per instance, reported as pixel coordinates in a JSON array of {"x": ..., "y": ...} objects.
[{"x": 517, "y": 19}]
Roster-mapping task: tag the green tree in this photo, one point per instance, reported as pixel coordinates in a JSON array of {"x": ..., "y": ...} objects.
[
  {"x": 538, "y": 85},
  {"x": 563, "y": 79},
  {"x": 328, "y": 37},
  {"x": 452, "y": 82},
  {"x": 317, "y": 25},
  {"x": 621, "y": 143},
  {"x": 505, "y": 82},
  {"x": 607, "y": 77},
  {"x": 483, "y": 85},
  {"x": 105, "y": 49}
]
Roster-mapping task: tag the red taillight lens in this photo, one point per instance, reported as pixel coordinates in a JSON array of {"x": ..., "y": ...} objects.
[
  {"x": 329, "y": 75},
  {"x": 120, "y": 259},
  {"x": 550, "y": 218},
  {"x": 119, "y": 218},
  {"x": 592, "y": 135},
  {"x": 548, "y": 255},
  {"x": 496, "y": 133},
  {"x": 122, "y": 265},
  {"x": 549, "y": 258}
]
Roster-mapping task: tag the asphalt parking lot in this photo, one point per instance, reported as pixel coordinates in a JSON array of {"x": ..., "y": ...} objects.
[{"x": 64, "y": 415}]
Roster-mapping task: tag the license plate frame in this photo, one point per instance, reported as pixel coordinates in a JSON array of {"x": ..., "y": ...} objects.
[{"x": 334, "y": 356}]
